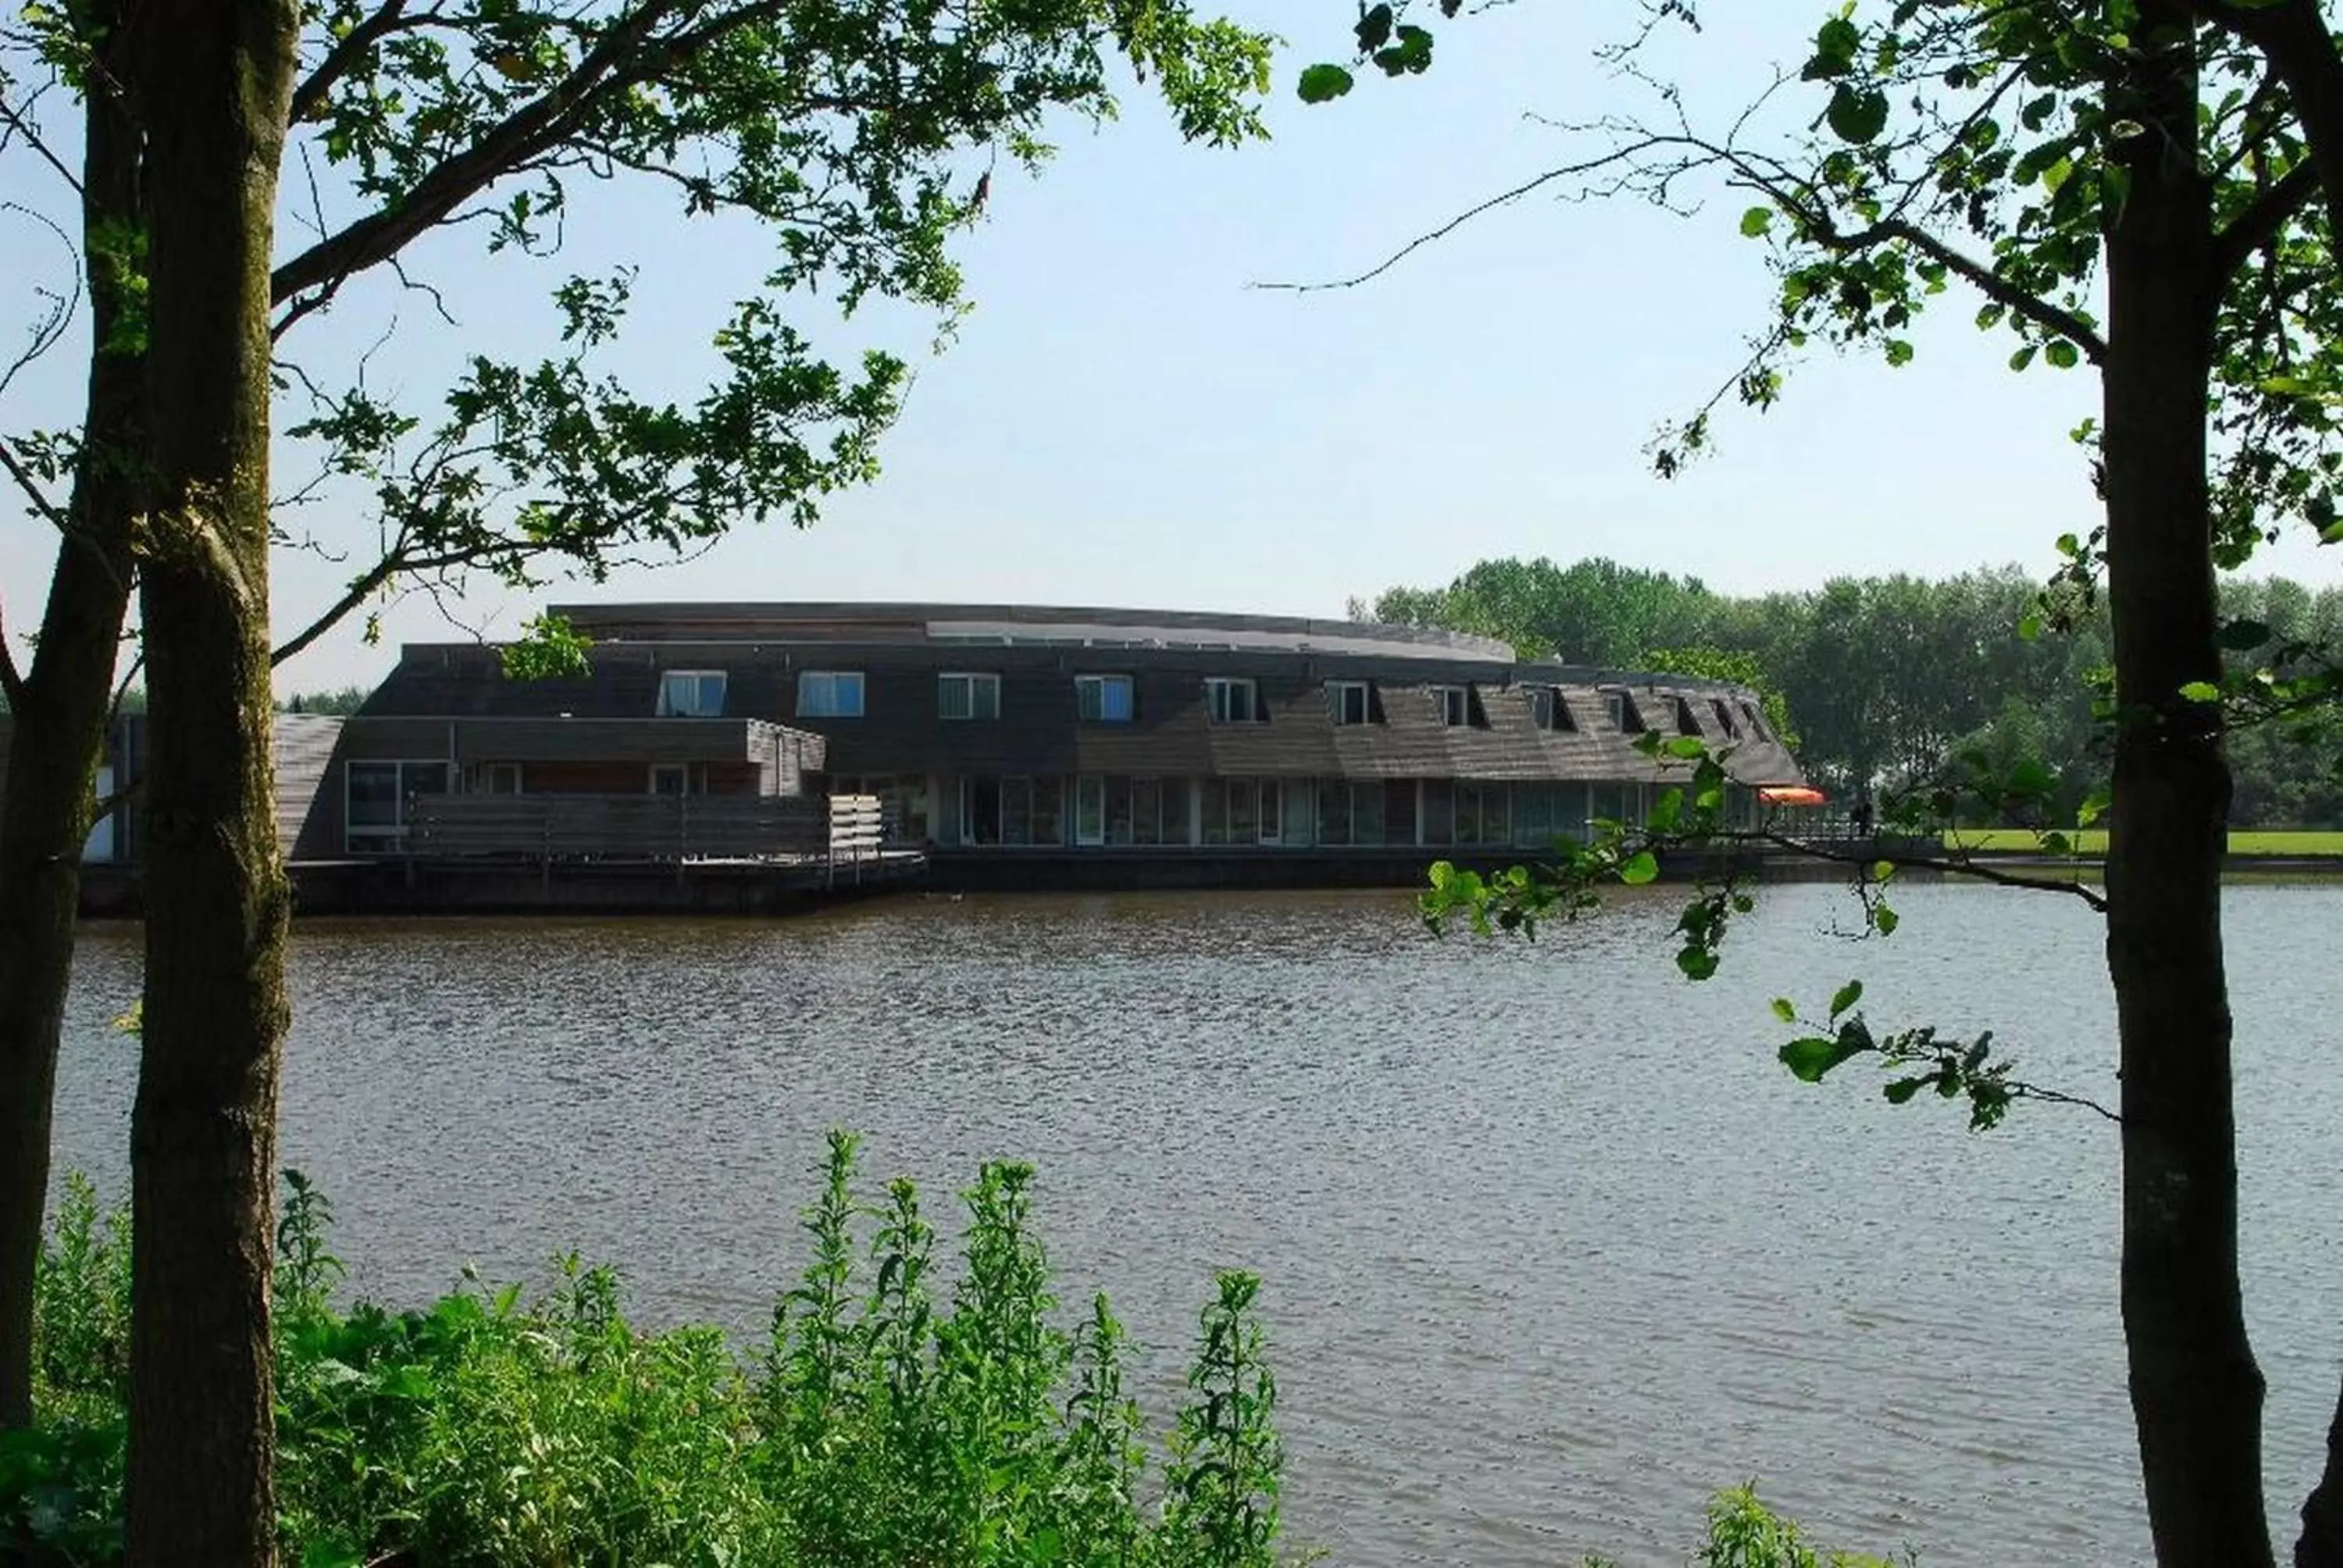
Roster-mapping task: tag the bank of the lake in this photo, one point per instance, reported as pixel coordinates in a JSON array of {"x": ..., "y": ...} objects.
[{"x": 1552, "y": 1248}]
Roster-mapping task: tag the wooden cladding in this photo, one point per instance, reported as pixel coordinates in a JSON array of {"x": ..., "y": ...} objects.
[{"x": 842, "y": 829}]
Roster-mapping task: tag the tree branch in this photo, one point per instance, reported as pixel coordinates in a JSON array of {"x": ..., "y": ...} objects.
[
  {"x": 26, "y": 483},
  {"x": 1902, "y": 861},
  {"x": 2293, "y": 36},
  {"x": 24, "y": 127},
  {"x": 2267, "y": 214},
  {"x": 1459, "y": 221},
  {"x": 310, "y": 96},
  {"x": 11, "y": 682},
  {"x": 622, "y": 57},
  {"x": 373, "y": 577},
  {"x": 1983, "y": 278}
]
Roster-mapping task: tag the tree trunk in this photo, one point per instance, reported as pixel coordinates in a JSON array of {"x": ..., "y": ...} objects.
[
  {"x": 213, "y": 85},
  {"x": 60, "y": 737},
  {"x": 2321, "y": 1542},
  {"x": 2195, "y": 1392}
]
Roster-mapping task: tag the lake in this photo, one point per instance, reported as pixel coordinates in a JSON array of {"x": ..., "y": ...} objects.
[{"x": 1553, "y": 1247}]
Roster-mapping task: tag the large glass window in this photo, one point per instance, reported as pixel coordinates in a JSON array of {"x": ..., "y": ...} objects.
[
  {"x": 967, "y": 696},
  {"x": 1103, "y": 698},
  {"x": 829, "y": 694},
  {"x": 692, "y": 694},
  {"x": 378, "y": 802},
  {"x": 1481, "y": 817},
  {"x": 1232, "y": 699},
  {"x": 1353, "y": 812},
  {"x": 1089, "y": 809},
  {"x": 979, "y": 810},
  {"x": 1452, "y": 705},
  {"x": 1439, "y": 811}
]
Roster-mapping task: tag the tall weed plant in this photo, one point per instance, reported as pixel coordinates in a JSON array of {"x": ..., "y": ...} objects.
[{"x": 879, "y": 1426}]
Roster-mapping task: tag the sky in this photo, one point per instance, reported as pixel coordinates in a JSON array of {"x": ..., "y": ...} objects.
[{"x": 1126, "y": 419}]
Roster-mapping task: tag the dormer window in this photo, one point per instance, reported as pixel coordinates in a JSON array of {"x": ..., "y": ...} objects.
[
  {"x": 1620, "y": 710},
  {"x": 1725, "y": 718},
  {"x": 1550, "y": 710},
  {"x": 1685, "y": 723},
  {"x": 1756, "y": 724},
  {"x": 1452, "y": 705},
  {"x": 692, "y": 694},
  {"x": 1232, "y": 699},
  {"x": 1351, "y": 701}
]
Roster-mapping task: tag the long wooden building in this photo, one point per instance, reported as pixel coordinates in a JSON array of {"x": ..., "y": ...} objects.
[{"x": 1168, "y": 746}]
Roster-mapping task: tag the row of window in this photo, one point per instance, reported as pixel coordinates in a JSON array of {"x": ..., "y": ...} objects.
[
  {"x": 1113, "y": 810},
  {"x": 1227, "y": 700}
]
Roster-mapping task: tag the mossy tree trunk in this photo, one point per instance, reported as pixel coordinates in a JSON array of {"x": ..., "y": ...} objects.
[
  {"x": 60, "y": 736},
  {"x": 214, "y": 82}
]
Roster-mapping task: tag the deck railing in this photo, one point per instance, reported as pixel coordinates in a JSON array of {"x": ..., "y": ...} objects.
[{"x": 841, "y": 831}]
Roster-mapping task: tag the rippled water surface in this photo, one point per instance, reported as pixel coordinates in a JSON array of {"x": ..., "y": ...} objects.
[{"x": 1553, "y": 1248}]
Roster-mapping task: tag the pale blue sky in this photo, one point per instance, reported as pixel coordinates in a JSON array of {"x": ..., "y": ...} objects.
[{"x": 1124, "y": 421}]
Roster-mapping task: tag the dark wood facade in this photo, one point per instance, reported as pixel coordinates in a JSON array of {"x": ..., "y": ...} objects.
[{"x": 1461, "y": 744}]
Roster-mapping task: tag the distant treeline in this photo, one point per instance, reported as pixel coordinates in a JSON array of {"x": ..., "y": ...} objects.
[{"x": 1885, "y": 682}]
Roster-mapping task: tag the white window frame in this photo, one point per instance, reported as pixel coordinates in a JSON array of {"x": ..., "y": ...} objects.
[
  {"x": 1452, "y": 706},
  {"x": 838, "y": 679},
  {"x": 1220, "y": 698},
  {"x": 1614, "y": 708},
  {"x": 670, "y": 708},
  {"x": 1340, "y": 697},
  {"x": 1101, "y": 685},
  {"x": 971, "y": 683}
]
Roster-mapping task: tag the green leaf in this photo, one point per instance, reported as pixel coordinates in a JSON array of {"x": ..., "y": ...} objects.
[
  {"x": 1857, "y": 116},
  {"x": 1756, "y": 221},
  {"x": 2062, "y": 354},
  {"x": 1847, "y": 995},
  {"x": 2029, "y": 629},
  {"x": 1374, "y": 29},
  {"x": 1324, "y": 84},
  {"x": 1902, "y": 1090},
  {"x": 1639, "y": 867},
  {"x": 1665, "y": 812},
  {"x": 1686, "y": 747},
  {"x": 1899, "y": 351},
  {"x": 1884, "y": 919},
  {"x": 1810, "y": 1058},
  {"x": 1784, "y": 1011},
  {"x": 1835, "y": 47},
  {"x": 2242, "y": 634},
  {"x": 2200, "y": 691},
  {"x": 1698, "y": 963}
]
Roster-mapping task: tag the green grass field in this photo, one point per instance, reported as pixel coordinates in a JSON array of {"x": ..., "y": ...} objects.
[{"x": 2093, "y": 841}]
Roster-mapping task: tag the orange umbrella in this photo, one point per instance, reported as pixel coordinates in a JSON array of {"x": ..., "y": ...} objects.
[{"x": 1791, "y": 795}]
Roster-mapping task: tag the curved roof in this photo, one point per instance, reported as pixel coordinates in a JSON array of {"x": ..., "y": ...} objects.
[{"x": 1037, "y": 626}]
